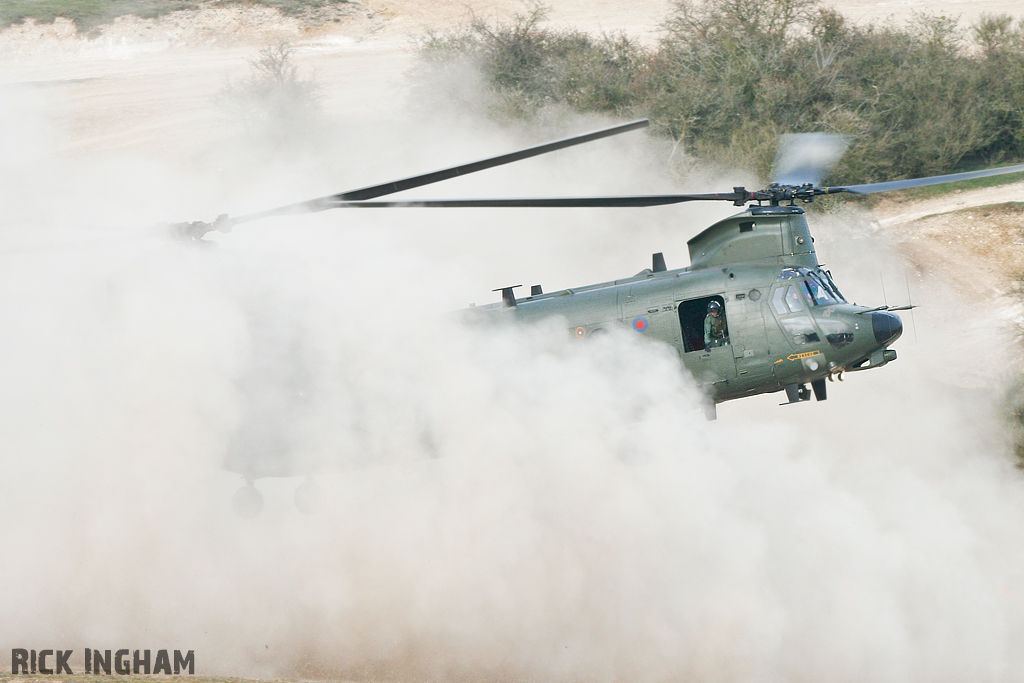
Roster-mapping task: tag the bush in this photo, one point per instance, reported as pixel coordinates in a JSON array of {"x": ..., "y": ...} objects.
[
  {"x": 730, "y": 76},
  {"x": 275, "y": 103},
  {"x": 527, "y": 68}
]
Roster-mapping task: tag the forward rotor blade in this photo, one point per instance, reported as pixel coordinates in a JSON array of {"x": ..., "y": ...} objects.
[
  {"x": 807, "y": 157},
  {"x": 871, "y": 188},
  {"x": 463, "y": 169},
  {"x": 411, "y": 182},
  {"x": 542, "y": 202}
]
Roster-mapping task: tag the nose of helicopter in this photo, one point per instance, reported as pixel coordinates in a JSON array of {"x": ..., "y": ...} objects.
[{"x": 887, "y": 327}]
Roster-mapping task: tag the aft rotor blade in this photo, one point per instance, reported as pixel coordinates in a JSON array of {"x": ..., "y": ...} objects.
[
  {"x": 807, "y": 157},
  {"x": 411, "y": 182},
  {"x": 871, "y": 188},
  {"x": 542, "y": 202}
]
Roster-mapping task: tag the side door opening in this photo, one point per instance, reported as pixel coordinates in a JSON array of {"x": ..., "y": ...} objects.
[{"x": 692, "y": 317}]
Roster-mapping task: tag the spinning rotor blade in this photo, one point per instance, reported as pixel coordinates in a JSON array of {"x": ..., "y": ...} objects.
[
  {"x": 472, "y": 167},
  {"x": 807, "y": 157},
  {"x": 393, "y": 186},
  {"x": 871, "y": 188},
  {"x": 802, "y": 161},
  {"x": 544, "y": 202}
]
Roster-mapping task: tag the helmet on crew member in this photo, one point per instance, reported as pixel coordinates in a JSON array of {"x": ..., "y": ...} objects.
[{"x": 714, "y": 308}]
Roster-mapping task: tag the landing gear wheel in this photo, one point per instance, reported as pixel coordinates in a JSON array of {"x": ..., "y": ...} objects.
[
  {"x": 307, "y": 497},
  {"x": 247, "y": 502}
]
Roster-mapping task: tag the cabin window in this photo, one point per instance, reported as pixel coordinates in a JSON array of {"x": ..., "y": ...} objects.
[{"x": 697, "y": 334}]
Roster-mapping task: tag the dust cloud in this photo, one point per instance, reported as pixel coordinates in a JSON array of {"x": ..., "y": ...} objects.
[{"x": 498, "y": 504}]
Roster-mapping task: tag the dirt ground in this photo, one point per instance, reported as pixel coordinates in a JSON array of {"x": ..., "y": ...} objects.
[{"x": 967, "y": 10}]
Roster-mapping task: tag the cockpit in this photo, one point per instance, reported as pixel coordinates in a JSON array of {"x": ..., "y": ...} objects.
[
  {"x": 797, "y": 293},
  {"x": 800, "y": 300}
]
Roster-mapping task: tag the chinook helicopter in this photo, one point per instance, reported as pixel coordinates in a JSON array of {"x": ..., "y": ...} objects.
[
  {"x": 753, "y": 313},
  {"x": 786, "y": 324}
]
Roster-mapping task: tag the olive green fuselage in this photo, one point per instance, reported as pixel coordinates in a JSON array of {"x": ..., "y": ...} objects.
[{"x": 787, "y": 323}]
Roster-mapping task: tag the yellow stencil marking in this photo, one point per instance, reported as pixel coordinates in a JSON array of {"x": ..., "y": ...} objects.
[{"x": 798, "y": 356}]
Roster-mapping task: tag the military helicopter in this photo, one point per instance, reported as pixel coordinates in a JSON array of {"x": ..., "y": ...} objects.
[{"x": 753, "y": 313}]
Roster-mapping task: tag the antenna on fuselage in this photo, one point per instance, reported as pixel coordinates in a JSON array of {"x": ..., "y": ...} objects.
[
  {"x": 658, "y": 263},
  {"x": 910, "y": 300},
  {"x": 508, "y": 297}
]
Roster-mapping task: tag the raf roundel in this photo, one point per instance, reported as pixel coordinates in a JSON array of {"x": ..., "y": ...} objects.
[{"x": 640, "y": 324}]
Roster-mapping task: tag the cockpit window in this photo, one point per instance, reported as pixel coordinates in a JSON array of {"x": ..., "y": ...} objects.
[
  {"x": 794, "y": 300},
  {"x": 788, "y": 300},
  {"x": 779, "y": 301},
  {"x": 818, "y": 292}
]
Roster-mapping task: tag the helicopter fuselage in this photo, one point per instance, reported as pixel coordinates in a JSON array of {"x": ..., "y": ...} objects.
[
  {"x": 784, "y": 322},
  {"x": 753, "y": 313}
]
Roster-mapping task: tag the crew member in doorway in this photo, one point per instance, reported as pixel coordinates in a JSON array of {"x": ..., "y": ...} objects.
[{"x": 715, "y": 331}]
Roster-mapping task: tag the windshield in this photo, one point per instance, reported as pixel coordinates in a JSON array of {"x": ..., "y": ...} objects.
[
  {"x": 826, "y": 277},
  {"x": 819, "y": 293},
  {"x": 817, "y": 285}
]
